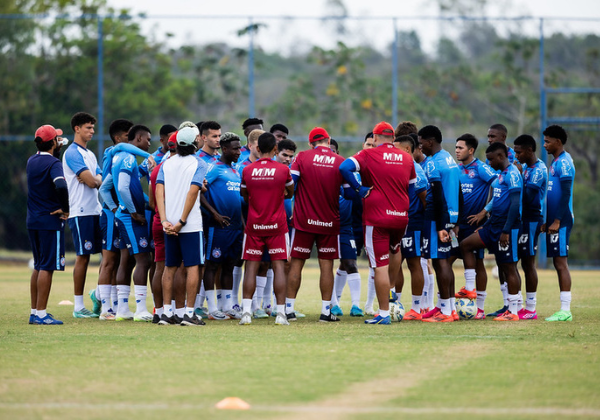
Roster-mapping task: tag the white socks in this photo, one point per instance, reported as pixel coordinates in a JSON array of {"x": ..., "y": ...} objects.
[
  {"x": 260, "y": 287},
  {"x": 504, "y": 290},
  {"x": 530, "y": 301},
  {"x": 513, "y": 304},
  {"x": 445, "y": 306},
  {"x": 140, "y": 298},
  {"x": 105, "y": 290},
  {"x": 211, "y": 300},
  {"x": 268, "y": 291},
  {"x": 227, "y": 300},
  {"x": 289, "y": 305},
  {"x": 481, "y": 299},
  {"x": 114, "y": 298},
  {"x": 371, "y": 289},
  {"x": 247, "y": 306},
  {"x": 325, "y": 307},
  {"x": 353, "y": 281},
  {"x": 470, "y": 279},
  {"x": 416, "y": 303},
  {"x": 78, "y": 303},
  {"x": 123, "y": 296},
  {"x": 565, "y": 301}
]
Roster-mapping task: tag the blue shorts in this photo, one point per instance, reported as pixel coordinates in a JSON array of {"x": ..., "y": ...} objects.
[
  {"x": 111, "y": 240},
  {"x": 464, "y": 232},
  {"x": 347, "y": 246},
  {"x": 490, "y": 236},
  {"x": 557, "y": 244},
  {"x": 149, "y": 216},
  {"x": 411, "y": 244},
  {"x": 48, "y": 248},
  {"x": 87, "y": 236},
  {"x": 431, "y": 247},
  {"x": 223, "y": 244},
  {"x": 529, "y": 233},
  {"x": 133, "y": 235},
  {"x": 185, "y": 247}
]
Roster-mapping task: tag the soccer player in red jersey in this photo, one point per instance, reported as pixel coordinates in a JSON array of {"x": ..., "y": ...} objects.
[
  {"x": 386, "y": 173},
  {"x": 316, "y": 218},
  {"x": 265, "y": 185}
]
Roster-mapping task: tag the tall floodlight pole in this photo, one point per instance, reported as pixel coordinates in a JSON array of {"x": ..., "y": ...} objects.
[
  {"x": 395, "y": 76},
  {"x": 251, "y": 71},
  {"x": 100, "y": 126}
]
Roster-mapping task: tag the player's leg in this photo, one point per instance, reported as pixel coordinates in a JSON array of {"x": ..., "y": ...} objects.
[
  {"x": 377, "y": 246},
  {"x": 471, "y": 247},
  {"x": 85, "y": 231},
  {"x": 417, "y": 282},
  {"x": 353, "y": 281},
  {"x": 261, "y": 283},
  {"x": 210, "y": 271},
  {"x": 328, "y": 249},
  {"x": 507, "y": 258},
  {"x": 301, "y": 245},
  {"x": 227, "y": 284}
]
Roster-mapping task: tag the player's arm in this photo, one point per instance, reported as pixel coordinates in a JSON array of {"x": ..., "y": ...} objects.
[
  {"x": 289, "y": 191},
  {"x": 511, "y": 218},
  {"x": 244, "y": 191},
  {"x": 438, "y": 210},
  {"x": 563, "y": 205},
  {"x": 123, "y": 186},
  {"x": 86, "y": 177},
  {"x": 347, "y": 168},
  {"x": 105, "y": 193},
  {"x": 62, "y": 191}
]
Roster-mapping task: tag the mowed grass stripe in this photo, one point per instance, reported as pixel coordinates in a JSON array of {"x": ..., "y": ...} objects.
[{"x": 87, "y": 366}]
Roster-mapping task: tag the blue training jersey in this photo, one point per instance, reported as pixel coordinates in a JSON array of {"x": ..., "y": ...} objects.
[
  {"x": 441, "y": 167},
  {"x": 224, "y": 193},
  {"x": 535, "y": 183},
  {"x": 124, "y": 162},
  {"x": 416, "y": 211},
  {"x": 508, "y": 180},
  {"x": 42, "y": 199},
  {"x": 475, "y": 181},
  {"x": 244, "y": 154},
  {"x": 209, "y": 159},
  {"x": 561, "y": 169},
  {"x": 511, "y": 156}
]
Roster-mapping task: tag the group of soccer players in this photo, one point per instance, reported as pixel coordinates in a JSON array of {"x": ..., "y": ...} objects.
[{"x": 256, "y": 211}]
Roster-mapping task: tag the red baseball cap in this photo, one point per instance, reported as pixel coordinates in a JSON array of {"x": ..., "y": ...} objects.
[
  {"x": 47, "y": 132},
  {"x": 383, "y": 129},
  {"x": 317, "y": 133},
  {"x": 172, "y": 142}
]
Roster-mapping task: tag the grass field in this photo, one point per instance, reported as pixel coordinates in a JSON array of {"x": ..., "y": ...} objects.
[{"x": 469, "y": 369}]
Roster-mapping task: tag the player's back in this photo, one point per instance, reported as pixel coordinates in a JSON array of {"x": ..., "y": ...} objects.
[
  {"x": 561, "y": 169},
  {"x": 124, "y": 162},
  {"x": 265, "y": 181},
  {"x": 389, "y": 171},
  {"x": 441, "y": 167},
  {"x": 316, "y": 206},
  {"x": 535, "y": 177}
]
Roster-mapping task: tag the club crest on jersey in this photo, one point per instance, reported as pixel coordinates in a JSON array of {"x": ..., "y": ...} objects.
[
  {"x": 143, "y": 242},
  {"x": 471, "y": 173},
  {"x": 87, "y": 245},
  {"x": 552, "y": 170},
  {"x": 216, "y": 253},
  {"x": 500, "y": 179}
]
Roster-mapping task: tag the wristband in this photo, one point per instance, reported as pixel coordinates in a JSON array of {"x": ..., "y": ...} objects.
[{"x": 182, "y": 222}]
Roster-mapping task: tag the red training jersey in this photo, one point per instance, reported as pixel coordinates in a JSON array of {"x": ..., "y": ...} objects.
[
  {"x": 389, "y": 171},
  {"x": 316, "y": 206},
  {"x": 265, "y": 181}
]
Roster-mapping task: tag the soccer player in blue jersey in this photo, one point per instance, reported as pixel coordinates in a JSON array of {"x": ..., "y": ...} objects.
[
  {"x": 500, "y": 233},
  {"x": 559, "y": 214},
  {"x": 133, "y": 228},
  {"x": 347, "y": 272},
  {"x": 535, "y": 184},
  {"x": 111, "y": 244},
  {"x": 476, "y": 178},
  {"x": 248, "y": 126},
  {"x": 84, "y": 177},
  {"x": 411, "y": 242},
  {"x": 210, "y": 133},
  {"x": 441, "y": 216},
  {"x": 224, "y": 242},
  {"x": 47, "y": 210}
]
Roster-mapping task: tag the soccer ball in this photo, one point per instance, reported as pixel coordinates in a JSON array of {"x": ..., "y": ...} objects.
[
  {"x": 466, "y": 308},
  {"x": 396, "y": 311}
]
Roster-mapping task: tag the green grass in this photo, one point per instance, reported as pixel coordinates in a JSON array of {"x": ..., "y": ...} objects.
[{"x": 92, "y": 369}]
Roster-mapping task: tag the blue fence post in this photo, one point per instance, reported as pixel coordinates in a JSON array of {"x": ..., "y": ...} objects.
[
  {"x": 100, "y": 125},
  {"x": 542, "y": 259}
]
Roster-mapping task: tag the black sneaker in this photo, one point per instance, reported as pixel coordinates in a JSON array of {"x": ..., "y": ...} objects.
[
  {"x": 155, "y": 319},
  {"x": 166, "y": 320},
  {"x": 291, "y": 316},
  {"x": 192, "y": 320},
  {"x": 177, "y": 319},
  {"x": 328, "y": 318},
  {"x": 498, "y": 312}
]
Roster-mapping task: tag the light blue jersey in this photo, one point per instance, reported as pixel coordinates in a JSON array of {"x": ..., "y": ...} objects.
[
  {"x": 535, "y": 184},
  {"x": 441, "y": 167},
  {"x": 124, "y": 163},
  {"x": 508, "y": 180},
  {"x": 224, "y": 192},
  {"x": 416, "y": 211},
  {"x": 475, "y": 181},
  {"x": 561, "y": 169}
]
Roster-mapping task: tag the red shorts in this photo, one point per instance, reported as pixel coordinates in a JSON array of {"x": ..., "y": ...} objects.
[
  {"x": 328, "y": 246},
  {"x": 158, "y": 236},
  {"x": 380, "y": 242},
  {"x": 278, "y": 247}
]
